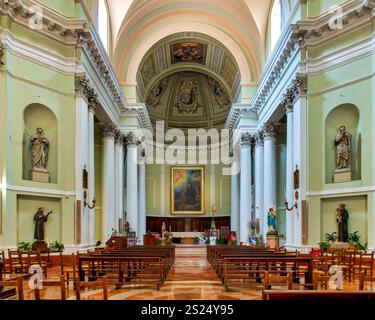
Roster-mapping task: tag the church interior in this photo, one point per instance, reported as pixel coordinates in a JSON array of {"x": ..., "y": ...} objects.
[{"x": 187, "y": 150}]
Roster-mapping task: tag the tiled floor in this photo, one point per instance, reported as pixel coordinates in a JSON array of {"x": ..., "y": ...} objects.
[{"x": 191, "y": 278}]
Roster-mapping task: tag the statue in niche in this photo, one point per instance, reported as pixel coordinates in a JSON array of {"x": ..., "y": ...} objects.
[
  {"x": 342, "y": 217},
  {"x": 40, "y": 148},
  {"x": 40, "y": 219},
  {"x": 343, "y": 143}
]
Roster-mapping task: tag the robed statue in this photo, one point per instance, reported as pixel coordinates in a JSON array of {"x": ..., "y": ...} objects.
[
  {"x": 342, "y": 217},
  {"x": 343, "y": 143},
  {"x": 272, "y": 222},
  {"x": 40, "y": 148},
  {"x": 40, "y": 219}
]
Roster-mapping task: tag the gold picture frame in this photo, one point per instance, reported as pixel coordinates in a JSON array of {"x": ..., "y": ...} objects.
[{"x": 187, "y": 190}]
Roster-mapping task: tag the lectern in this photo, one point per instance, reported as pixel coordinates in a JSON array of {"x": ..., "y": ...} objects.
[{"x": 117, "y": 242}]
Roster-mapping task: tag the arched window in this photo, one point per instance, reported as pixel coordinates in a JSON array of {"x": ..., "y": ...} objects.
[
  {"x": 103, "y": 23},
  {"x": 275, "y": 23}
]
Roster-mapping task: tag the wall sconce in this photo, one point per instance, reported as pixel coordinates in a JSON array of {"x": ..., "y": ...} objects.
[
  {"x": 85, "y": 203},
  {"x": 296, "y": 195}
]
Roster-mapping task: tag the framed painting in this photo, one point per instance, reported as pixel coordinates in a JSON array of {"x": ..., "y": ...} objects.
[
  {"x": 188, "y": 52},
  {"x": 187, "y": 190}
]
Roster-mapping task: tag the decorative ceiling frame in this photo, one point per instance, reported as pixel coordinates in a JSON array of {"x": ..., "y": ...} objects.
[
  {"x": 169, "y": 68},
  {"x": 302, "y": 36}
]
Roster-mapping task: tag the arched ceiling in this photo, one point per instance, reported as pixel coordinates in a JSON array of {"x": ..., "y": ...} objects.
[
  {"x": 145, "y": 22},
  {"x": 188, "y": 51},
  {"x": 189, "y": 99}
]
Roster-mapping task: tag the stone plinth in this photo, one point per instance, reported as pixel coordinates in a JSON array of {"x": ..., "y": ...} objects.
[
  {"x": 40, "y": 176},
  {"x": 342, "y": 175}
]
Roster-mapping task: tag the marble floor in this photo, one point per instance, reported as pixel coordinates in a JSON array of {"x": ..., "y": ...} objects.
[{"x": 191, "y": 278}]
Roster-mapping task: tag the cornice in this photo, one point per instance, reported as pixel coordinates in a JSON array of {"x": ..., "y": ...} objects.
[
  {"x": 78, "y": 33},
  {"x": 238, "y": 110},
  {"x": 139, "y": 110},
  {"x": 305, "y": 35}
]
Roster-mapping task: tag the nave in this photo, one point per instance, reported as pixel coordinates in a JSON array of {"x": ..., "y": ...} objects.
[{"x": 191, "y": 277}]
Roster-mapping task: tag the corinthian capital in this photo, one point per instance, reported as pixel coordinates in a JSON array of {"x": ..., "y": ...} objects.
[
  {"x": 131, "y": 140},
  {"x": 247, "y": 140},
  {"x": 259, "y": 138},
  {"x": 269, "y": 131},
  {"x": 109, "y": 129}
]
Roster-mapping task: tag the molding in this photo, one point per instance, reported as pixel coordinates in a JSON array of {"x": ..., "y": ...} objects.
[
  {"x": 237, "y": 111},
  {"x": 341, "y": 57},
  {"x": 340, "y": 191},
  {"x": 53, "y": 192},
  {"x": 66, "y": 66},
  {"x": 139, "y": 110}
]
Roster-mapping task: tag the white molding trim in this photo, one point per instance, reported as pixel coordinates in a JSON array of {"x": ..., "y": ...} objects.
[
  {"x": 51, "y": 192},
  {"x": 341, "y": 57},
  {"x": 341, "y": 191}
]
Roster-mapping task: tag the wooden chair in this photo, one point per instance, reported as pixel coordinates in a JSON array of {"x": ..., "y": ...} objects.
[
  {"x": 16, "y": 283},
  {"x": 16, "y": 263},
  {"x": 320, "y": 278},
  {"x": 52, "y": 283},
  {"x": 6, "y": 267},
  {"x": 364, "y": 278},
  {"x": 33, "y": 258},
  {"x": 68, "y": 272},
  {"x": 99, "y": 283},
  {"x": 366, "y": 264},
  {"x": 274, "y": 278},
  {"x": 347, "y": 264}
]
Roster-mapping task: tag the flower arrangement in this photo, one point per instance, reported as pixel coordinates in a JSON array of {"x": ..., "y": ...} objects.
[
  {"x": 232, "y": 238},
  {"x": 24, "y": 246}
]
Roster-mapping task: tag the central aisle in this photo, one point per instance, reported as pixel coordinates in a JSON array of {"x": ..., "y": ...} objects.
[{"x": 191, "y": 278}]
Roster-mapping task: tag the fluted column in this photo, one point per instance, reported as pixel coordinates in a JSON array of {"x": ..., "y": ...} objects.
[
  {"x": 269, "y": 181},
  {"x": 91, "y": 171},
  {"x": 142, "y": 199},
  {"x": 259, "y": 183},
  {"x": 132, "y": 181},
  {"x": 235, "y": 196},
  {"x": 289, "y": 175},
  {"x": 119, "y": 166},
  {"x": 108, "y": 178},
  {"x": 245, "y": 192}
]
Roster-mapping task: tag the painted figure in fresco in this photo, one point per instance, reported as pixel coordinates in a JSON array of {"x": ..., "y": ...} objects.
[
  {"x": 272, "y": 222},
  {"x": 342, "y": 217},
  {"x": 40, "y": 147},
  {"x": 40, "y": 219},
  {"x": 343, "y": 143}
]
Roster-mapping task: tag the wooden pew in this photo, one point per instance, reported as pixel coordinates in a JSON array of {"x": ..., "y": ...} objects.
[{"x": 317, "y": 295}]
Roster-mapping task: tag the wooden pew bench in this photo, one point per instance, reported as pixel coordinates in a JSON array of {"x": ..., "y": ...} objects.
[{"x": 317, "y": 295}]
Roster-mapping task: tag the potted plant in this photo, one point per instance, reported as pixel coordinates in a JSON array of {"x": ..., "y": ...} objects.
[
  {"x": 24, "y": 246},
  {"x": 329, "y": 238},
  {"x": 354, "y": 241},
  {"x": 57, "y": 247}
]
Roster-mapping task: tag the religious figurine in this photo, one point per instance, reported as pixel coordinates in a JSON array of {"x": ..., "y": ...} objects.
[
  {"x": 40, "y": 148},
  {"x": 342, "y": 216},
  {"x": 343, "y": 143},
  {"x": 272, "y": 222},
  {"x": 40, "y": 219},
  {"x": 163, "y": 231}
]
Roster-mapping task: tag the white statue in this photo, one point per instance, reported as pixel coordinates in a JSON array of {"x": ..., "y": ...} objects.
[{"x": 40, "y": 148}]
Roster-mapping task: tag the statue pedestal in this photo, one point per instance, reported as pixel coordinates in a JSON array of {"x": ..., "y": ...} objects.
[
  {"x": 41, "y": 246},
  {"x": 273, "y": 241},
  {"x": 342, "y": 175},
  {"x": 40, "y": 176}
]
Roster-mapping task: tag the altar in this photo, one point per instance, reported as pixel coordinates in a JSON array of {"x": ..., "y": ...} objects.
[{"x": 187, "y": 237}]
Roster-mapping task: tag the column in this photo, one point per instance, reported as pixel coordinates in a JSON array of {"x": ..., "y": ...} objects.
[
  {"x": 119, "y": 176},
  {"x": 91, "y": 172},
  {"x": 245, "y": 191},
  {"x": 142, "y": 199},
  {"x": 259, "y": 172},
  {"x": 235, "y": 196},
  {"x": 269, "y": 181},
  {"x": 81, "y": 157},
  {"x": 108, "y": 178},
  {"x": 132, "y": 182},
  {"x": 289, "y": 188}
]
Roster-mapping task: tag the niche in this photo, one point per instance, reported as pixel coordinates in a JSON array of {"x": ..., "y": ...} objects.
[
  {"x": 39, "y": 116},
  {"x": 343, "y": 115}
]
